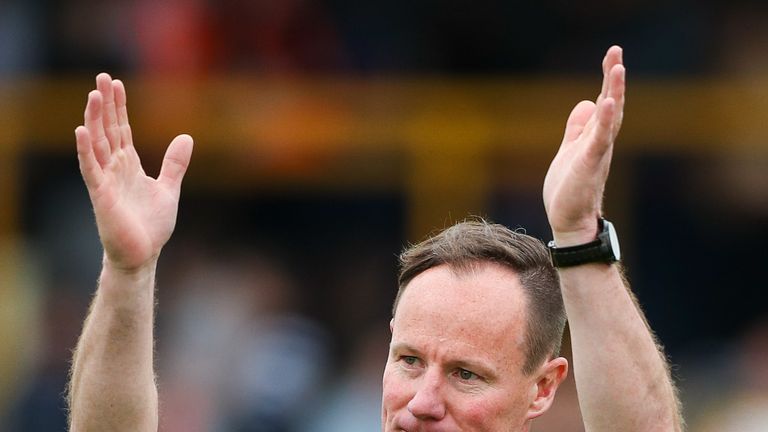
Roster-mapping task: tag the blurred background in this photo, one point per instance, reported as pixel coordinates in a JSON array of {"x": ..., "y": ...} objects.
[{"x": 328, "y": 136}]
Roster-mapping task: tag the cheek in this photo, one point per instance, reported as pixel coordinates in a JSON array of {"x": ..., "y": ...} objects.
[
  {"x": 396, "y": 392},
  {"x": 478, "y": 416},
  {"x": 394, "y": 388},
  {"x": 494, "y": 412}
]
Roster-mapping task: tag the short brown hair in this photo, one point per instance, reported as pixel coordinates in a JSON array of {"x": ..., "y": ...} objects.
[{"x": 473, "y": 242}]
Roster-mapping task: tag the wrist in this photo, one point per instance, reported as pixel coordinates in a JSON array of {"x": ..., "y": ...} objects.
[
  {"x": 140, "y": 271},
  {"x": 574, "y": 238},
  {"x": 574, "y": 231},
  {"x": 128, "y": 290}
]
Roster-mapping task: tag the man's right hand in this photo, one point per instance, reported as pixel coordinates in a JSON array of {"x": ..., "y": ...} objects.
[
  {"x": 112, "y": 384},
  {"x": 135, "y": 213}
]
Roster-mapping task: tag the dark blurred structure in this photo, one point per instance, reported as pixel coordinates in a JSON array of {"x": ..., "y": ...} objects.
[
  {"x": 329, "y": 134},
  {"x": 305, "y": 36}
]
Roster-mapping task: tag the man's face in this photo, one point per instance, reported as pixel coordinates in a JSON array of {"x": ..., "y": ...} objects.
[{"x": 456, "y": 354}]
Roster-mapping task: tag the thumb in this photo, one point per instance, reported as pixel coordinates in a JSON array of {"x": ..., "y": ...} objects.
[
  {"x": 578, "y": 119},
  {"x": 176, "y": 161}
]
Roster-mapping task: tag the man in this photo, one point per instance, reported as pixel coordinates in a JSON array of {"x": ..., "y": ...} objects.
[{"x": 477, "y": 321}]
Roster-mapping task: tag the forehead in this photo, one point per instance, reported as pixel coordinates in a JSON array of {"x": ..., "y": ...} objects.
[{"x": 481, "y": 309}]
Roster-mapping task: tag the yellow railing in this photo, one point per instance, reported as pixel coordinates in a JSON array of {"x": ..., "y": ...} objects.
[{"x": 434, "y": 138}]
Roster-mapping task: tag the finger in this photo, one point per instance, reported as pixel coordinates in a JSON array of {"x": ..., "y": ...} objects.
[
  {"x": 176, "y": 161},
  {"x": 578, "y": 119},
  {"x": 89, "y": 166},
  {"x": 109, "y": 114},
  {"x": 126, "y": 138},
  {"x": 616, "y": 91},
  {"x": 616, "y": 85},
  {"x": 93, "y": 123},
  {"x": 612, "y": 57},
  {"x": 604, "y": 86},
  {"x": 602, "y": 135}
]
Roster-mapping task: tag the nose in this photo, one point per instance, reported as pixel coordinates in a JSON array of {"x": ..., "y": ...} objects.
[{"x": 427, "y": 403}]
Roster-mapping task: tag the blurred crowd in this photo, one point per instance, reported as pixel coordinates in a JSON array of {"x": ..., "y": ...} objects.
[{"x": 274, "y": 308}]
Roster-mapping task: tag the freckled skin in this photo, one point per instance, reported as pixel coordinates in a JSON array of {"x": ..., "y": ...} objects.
[{"x": 456, "y": 354}]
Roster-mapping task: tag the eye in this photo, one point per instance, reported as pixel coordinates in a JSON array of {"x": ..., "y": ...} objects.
[
  {"x": 467, "y": 375},
  {"x": 409, "y": 360}
]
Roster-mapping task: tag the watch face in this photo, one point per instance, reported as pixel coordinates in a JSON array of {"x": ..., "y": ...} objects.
[{"x": 614, "y": 238}]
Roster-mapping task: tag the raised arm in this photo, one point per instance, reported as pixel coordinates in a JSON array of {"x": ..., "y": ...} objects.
[
  {"x": 622, "y": 377},
  {"x": 112, "y": 385}
]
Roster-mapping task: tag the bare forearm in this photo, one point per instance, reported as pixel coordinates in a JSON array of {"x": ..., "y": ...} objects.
[
  {"x": 621, "y": 374},
  {"x": 112, "y": 385}
]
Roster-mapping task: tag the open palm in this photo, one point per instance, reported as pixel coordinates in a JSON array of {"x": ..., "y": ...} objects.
[
  {"x": 575, "y": 182},
  {"x": 135, "y": 213}
]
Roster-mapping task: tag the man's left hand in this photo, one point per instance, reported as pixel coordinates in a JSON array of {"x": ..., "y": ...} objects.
[{"x": 574, "y": 185}]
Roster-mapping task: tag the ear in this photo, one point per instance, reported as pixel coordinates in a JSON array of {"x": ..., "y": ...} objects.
[
  {"x": 391, "y": 325},
  {"x": 549, "y": 377}
]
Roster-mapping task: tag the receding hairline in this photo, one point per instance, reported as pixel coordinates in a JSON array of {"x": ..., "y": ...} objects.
[{"x": 469, "y": 268}]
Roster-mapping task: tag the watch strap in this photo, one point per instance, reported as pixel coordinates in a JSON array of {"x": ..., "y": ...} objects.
[{"x": 598, "y": 250}]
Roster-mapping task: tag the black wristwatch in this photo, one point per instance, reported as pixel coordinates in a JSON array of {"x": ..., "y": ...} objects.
[{"x": 605, "y": 249}]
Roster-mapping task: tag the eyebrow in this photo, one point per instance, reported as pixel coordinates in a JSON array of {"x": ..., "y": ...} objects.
[
  {"x": 399, "y": 347},
  {"x": 472, "y": 364}
]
